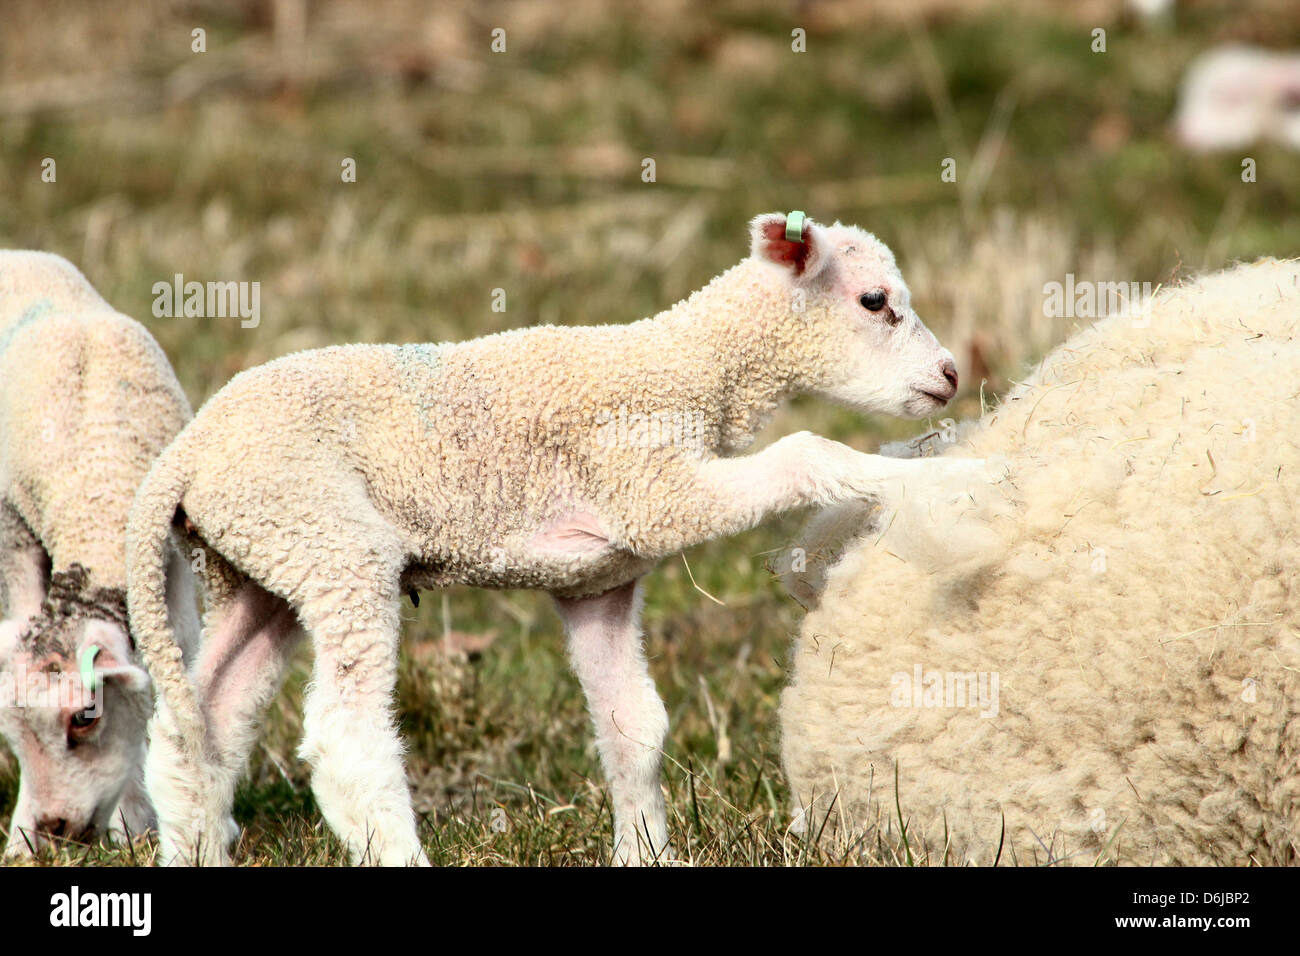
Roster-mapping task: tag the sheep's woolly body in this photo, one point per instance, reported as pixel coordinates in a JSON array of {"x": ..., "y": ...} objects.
[
  {"x": 1139, "y": 605},
  {"x": 87, "y": 400}
]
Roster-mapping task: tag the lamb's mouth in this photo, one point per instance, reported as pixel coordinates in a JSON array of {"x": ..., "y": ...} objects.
[
  {"x": 938, "y": 398},
  {"x": 921, "y": 404}
]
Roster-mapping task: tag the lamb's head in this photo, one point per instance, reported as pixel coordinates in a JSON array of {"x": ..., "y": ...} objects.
[
  {"x": 865, "y": 346},
  {"x": 80, "y": 744}
]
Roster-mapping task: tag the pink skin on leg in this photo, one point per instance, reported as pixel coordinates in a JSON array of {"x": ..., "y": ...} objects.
[
  {"x": 239, "y": 670},
  {"x": 240, "y": 667},
  {"x": 628, "y": 716}
]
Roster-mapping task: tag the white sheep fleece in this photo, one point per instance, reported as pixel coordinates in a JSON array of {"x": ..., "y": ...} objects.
[
  {"x": 87, "y": 399},
  {"x": 1137, "y": 596},
  {"x": 326, "y": 484}
]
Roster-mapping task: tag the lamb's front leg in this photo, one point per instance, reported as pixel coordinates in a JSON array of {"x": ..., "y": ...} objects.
[
  {"x": 723, "y": 496},
  {"x": 629, "y": 718},
  {"x": 804, "y": 469}
]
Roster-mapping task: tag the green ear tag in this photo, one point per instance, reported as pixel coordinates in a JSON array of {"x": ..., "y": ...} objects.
[
  {"x": 794, "y": 226},
  {"x": 88, "y": 666}
]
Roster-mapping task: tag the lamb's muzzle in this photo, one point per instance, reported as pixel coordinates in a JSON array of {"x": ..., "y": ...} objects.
[{"x": 944, "y": 393}]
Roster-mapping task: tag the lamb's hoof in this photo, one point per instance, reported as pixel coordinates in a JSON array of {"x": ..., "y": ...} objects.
[
  {"x": 643, "y": 855},
  {"x": 17, "y": 849},
  {"x": 949, "y": 517},
  {"x": 207, "y": 850}
]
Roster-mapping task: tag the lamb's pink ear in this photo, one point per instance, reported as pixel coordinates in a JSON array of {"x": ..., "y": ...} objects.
[
  {"x": 113, "y": 660},
  {"x": 804, "y": 259}
]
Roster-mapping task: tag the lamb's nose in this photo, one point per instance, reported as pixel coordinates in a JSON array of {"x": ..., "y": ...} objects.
[
  {"x": 54, "y": 826},
  {"x": 950, "y": 373}
]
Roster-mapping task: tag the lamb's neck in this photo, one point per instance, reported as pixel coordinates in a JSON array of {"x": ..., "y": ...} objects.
[{"x": 736, "y": 333}]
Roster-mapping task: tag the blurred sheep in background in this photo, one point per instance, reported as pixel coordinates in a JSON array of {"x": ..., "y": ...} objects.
[{"x": 1234, "y": 96}]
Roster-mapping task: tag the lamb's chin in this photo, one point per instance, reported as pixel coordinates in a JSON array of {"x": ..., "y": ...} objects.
[
  {"x": 921, "y": 406},
  {"x": 913, "y": 406}
]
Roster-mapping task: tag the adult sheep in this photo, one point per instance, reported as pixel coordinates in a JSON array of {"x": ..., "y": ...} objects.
[
  {"x": 326, "y": 484},
  {"x": 87, "y": 399},
  {"x": 1109, "y": 669}
]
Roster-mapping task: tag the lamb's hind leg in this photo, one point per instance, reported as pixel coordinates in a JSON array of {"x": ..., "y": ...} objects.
[
  {"x": 249, "y": 639},
  {"x": 238, "y": 674},
  {"x": 350, "y": 733},
  {"x": 135, "y": 810},
  {"x": 628, "y": 716}
]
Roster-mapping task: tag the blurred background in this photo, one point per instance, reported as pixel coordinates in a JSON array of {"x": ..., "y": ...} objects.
[{"x": 523, "y": 170}]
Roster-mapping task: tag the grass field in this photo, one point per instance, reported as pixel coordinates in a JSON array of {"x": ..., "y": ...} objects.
[{"x": 522, "y": 171}]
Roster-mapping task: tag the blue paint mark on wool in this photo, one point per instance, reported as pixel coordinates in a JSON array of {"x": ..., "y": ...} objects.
[{"x": 37, "y": 310}]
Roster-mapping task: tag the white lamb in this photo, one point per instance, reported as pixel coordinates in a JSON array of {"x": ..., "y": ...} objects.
[
  {"x": 87, "y": 399},
  {"x": 328, "y": 483},
  {"x": 1110, "y": 668}
]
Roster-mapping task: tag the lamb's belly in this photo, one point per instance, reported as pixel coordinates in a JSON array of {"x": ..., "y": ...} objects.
[{"x": 564, "y": 575}]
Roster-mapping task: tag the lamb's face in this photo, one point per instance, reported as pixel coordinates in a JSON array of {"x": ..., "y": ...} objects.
[
  {"x": 872, "y": 352},
  {"x": 77, "y": 750}
]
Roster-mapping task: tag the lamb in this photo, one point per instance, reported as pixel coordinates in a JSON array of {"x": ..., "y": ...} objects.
[
  {"x": 325, "y": 484},
  {"x": 1105, "y": 666},
  {"x": 87, "y": 399}
]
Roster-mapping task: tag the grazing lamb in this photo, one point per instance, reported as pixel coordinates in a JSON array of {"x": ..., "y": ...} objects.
[
  {"x": 1233, "y": 96},
  {"x": 328, "y": 483},
  {"x": 87, "y": 399},
  {"x": 1110, "y": 666}
]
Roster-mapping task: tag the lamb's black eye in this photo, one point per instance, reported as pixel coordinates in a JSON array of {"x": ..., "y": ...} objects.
[
  {"x": 81, "y": 724},
  {"x": 873, "y": 301}
]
